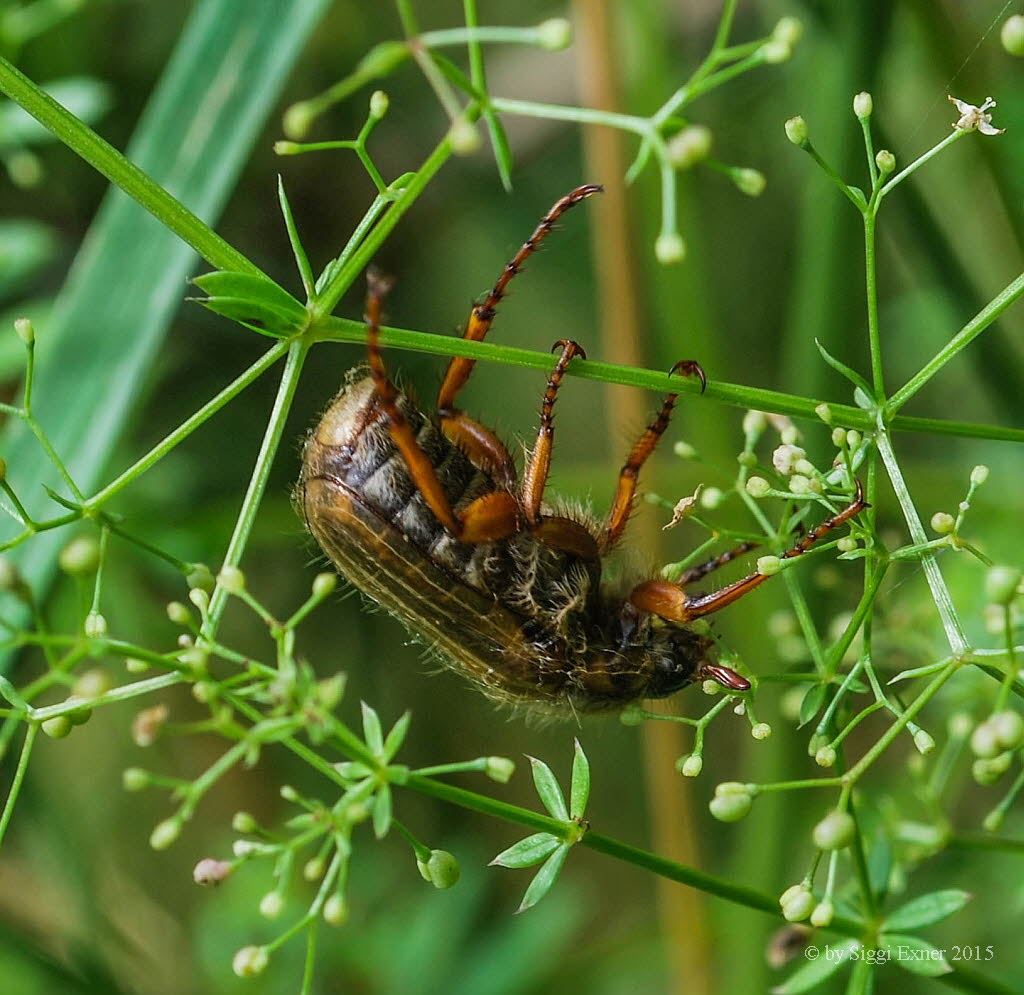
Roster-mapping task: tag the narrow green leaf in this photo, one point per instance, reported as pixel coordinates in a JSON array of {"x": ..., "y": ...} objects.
[
  {"x": 928, "y": 909},
  {"x": 852, "y": 375},
  {"x": 811, "y": 974},
  {"x": 502, "y": 149},
  {"x": 880, "y": 859},
  {"x": 372, "y": 732},
  {"x": 930, "y": 668},
  {"x": 382, "y": 811},
  {"x": 110, "y": 317},
  {"x": 915, "y": 955},
  {"x": 579, "y": 789},
  {"x": 263, "y": 318},
  {"x": 548, "y": 789},
  {"x": 396, "y": 737},
  {"x": 812, "y": 701},
  {"x": 457, "y": 77},
  {"x": 527, "y": 852},
  {"x": 544, "y": 879},
  {"x": 251, "y": 286},
  {"x": 301, "y": 259}
]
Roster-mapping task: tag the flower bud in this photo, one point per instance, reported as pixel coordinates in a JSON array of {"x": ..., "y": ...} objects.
[
  {"x": 178, "y": 613},
  {"x": 250, "y": 961},
  {"x": 788, "y": 31},
  {"x": 554, "y": 34},
  {"x": 885, "y": 161},
  {"x": 988, "y": 770},
  {"x": 943, "y": 522},
  {"x": 669, "y": 248},
  {"x": 500, "y": 769},
  {"x": 924, "y": 742},
  {"x": 313, "y": 869},
  {"x": 631, "y": 715},
  {"x": 847, "y": 544},
  {"x": 863, "y": 105},
  {"x": 979, "y": 474},
  {"x": 796, "y": 903},
  {"x": 838, "y": 437},
  {"x": 758, "y": 487},
  {"x": 289, "y": 794},
  {"x": 691, "y": 765},
  {"x": 199, "y": 576},
  {"x": 1008, "y": 729},
  {"x": 822, "y": 914},
  {"x": 993, "y": 822},
  {"x": 148, "y": 724},
  {"x": 824, "y": 412},
  {"x": 58, "y": 727},
  {"x": 711, "y": 498},
  {"x": 1001, "y": 584},
  {"x": 689, "y": 146},
  {"x": 800, "y": 484},
  {"x": 271, "y": 904},
  {"x": 684, "y": 450},
  {"x": 335, "y": 910},
  {"x": 464, "y": 137},
  {"x": 243, "y": 822},
  {"x": 23, "y": 326},
  {"x": 711, "y": 688},
  {"x": 785, "y": 458},
  {"x": 835, "y": 831},
  {"x": 200, "y": 598},
  {"x": 983, "y": 740},
  {"x": 135, "y": 779},
  {"x": 81, "y": 556},
  {"x": 1012, "y": 35},
  {"x": 165, "y": 833},
  {"x": 441, "y": 870},
  {"x": 774, "y": 52},
  {"x": 95, "y": 625},
  {"x": 324, "y": 584},
  {"x": 210, "y": 871},
  {"x": 749, "y": 181},
  {"x": 760, "y": 730},
  {"x": 797, "y": 131},
  {"x": 732, "y": 801},
  {"x": 825, "y": 756},
  {"x": 768, "y": 565},
  {"x": 231, "y": 579},
  {"x": 378, "y": 104}
]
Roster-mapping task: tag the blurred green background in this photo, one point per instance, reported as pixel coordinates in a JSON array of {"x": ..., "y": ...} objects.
[{"x": 86, "y": 906}]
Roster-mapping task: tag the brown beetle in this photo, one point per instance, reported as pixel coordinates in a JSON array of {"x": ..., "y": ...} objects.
[{"x": 425, "y": 514}]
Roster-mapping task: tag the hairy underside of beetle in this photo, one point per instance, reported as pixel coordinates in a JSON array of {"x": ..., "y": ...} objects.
[{"x": 528, "y": 622}]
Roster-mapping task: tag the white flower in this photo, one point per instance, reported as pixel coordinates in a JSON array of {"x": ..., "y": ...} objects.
[{"x": 974, "y": 118}]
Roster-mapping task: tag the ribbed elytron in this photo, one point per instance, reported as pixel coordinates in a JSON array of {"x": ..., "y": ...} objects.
[{"x": 425, "y": 513}]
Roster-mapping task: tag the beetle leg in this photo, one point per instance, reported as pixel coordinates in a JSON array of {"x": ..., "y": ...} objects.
[
  {"x": 670, "y": 601},
  {"x": 696, "y": 573},
  {"x": 482, "y": 315},
  {"x": 491, "y": 516},
  {"x": 485, "y": 450},
  {"x": 536, "y": 476},
  {"x": 625, "y": 491}
]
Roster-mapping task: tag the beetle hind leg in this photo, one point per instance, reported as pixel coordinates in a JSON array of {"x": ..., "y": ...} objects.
[{"x": 490, "y": 517}]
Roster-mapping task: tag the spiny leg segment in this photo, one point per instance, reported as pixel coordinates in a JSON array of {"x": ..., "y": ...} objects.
[
  {"x": 625, "y": 491},
  {"x": 536, "y": 476},
  {"x": 669, "y": 601},
  {"x": 482, "y": 315},
  {"x": 490, "y": 517},
  {"x": 700, "y": 571}
]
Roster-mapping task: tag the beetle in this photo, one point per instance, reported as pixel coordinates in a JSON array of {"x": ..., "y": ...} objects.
[{"x": 425, "y": 513}]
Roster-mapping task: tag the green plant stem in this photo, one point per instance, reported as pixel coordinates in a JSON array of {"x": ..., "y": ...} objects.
[
  {"x": 258, "y": 482},
  {"x": 940, "y": 593},
  {"x": 103, "y": 157},
  {"x": 187, "y": 427},
  {"x": 982, "y": 320},
  {"x": 19, "y": 777},
  {"x": 474, "y": 35},
  {"x": 123, "y": 693},
  {"x": 874, "y": 339},
  {"x": 346, "y": 330},
  {"x": 899, "y": 177}
]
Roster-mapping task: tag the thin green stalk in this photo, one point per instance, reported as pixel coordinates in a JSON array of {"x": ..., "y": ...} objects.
[
  {"x": 346, "y": 330},
  {"x": 940, "y": 593},
  {"x": 982, "y": 320},
  {"x": 874, "y": 339},
  {"x": 918, "y": 163},
  {"x": 19, "y": 777},
  {"x": 187, "y": 427},
  {"x": 103, "y": 157},
  {"x": 258, "y": 482}
]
